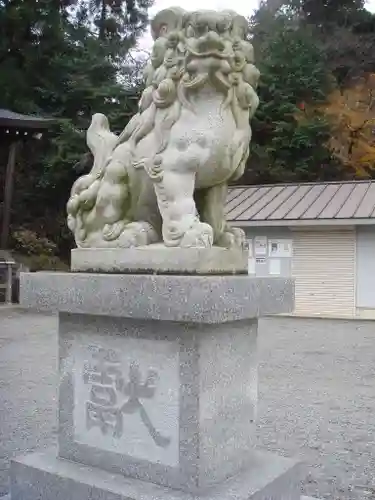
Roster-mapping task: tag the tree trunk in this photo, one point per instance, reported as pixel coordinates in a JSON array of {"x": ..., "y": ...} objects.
[{"x": 103, "y": 18}]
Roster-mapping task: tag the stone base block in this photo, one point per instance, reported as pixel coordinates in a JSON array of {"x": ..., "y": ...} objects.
[
  {"x": 195, "y": 299},
  {"x": 42, "y": 476},
  {"x": 158, "y": 259},
  {"x": 164, "y": 402}
]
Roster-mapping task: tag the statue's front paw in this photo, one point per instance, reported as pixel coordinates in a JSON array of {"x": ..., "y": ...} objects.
[
  {"x": 111, "y": 232},
  {"x": 232, "y": 237},
  {"x": 139, "y": 234},
  {"x": 200, "y": 235},
  {"x": 127, "y": 235}
]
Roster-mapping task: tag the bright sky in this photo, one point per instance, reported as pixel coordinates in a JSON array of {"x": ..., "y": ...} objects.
[{"x": 244, "y": 7}]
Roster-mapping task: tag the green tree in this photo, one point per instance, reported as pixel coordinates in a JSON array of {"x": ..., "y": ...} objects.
[
  {"x": 116, "y": 23},
  {"x": 319, "y": 13},
  {"x": 64, "y": 70},
  {"x": 330, "y": 12},
  {"x": 54, "y": 62},
  {"x": 343, "y": 30},
  {"x": 288, "y": 143}
]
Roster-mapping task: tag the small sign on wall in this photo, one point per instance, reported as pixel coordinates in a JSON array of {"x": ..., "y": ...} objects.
[
  {"x": 280, "y": 248},
  {"x": 260, "y": 245}
]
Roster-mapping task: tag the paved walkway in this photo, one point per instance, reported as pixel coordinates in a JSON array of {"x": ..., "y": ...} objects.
[{"x": 317, "y": 396}]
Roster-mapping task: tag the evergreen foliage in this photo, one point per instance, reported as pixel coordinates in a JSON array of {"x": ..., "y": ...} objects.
[{"x": 58, "y": 59}]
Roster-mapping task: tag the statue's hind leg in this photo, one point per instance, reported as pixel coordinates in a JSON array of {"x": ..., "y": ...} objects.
[
  {"x": 120, "y": 229},
  {"x": 211, "y": 206}
]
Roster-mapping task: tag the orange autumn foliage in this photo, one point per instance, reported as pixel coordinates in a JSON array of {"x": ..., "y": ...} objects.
[{"x": 351, "y": 112}]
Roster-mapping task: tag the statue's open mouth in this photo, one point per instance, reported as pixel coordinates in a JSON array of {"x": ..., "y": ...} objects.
[
  {"x": 209, "y": 53},
  {"x": 209, "y": 45}
]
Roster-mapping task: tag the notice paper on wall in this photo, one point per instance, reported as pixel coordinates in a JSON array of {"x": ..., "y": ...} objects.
[
  {"x": 274, "y": 267},
  {"x": 280, "y": 248},
  {"x": 260, "y": 245}
]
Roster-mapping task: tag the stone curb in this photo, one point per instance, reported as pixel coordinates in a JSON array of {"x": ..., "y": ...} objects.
[{"x": 7, "y": 497}]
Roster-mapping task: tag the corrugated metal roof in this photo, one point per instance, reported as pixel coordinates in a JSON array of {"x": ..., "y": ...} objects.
[{"x": 289, "y": 203}]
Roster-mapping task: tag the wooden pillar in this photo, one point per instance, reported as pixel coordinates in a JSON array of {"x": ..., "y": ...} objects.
[
  {"x": 9, "y": 283},
  {"x": 8, "y": 192}
]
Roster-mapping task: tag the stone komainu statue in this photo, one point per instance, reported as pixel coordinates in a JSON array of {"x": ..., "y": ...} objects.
[{"x": 165, "y": 178}]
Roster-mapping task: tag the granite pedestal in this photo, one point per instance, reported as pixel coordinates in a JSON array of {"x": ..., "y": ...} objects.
[
  {"x": 158, "y": 389},
  {"x": 158, "y": 259}
]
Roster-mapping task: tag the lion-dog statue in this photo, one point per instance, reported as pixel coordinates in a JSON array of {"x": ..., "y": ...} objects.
[{"x": 164, "y": 179}]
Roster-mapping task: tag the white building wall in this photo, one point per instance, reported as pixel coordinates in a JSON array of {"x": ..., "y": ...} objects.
[
  {"x": 365, "y": 271},
  {"x": 322, "y": 261}
]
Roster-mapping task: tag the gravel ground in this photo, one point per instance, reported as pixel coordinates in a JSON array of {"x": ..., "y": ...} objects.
[
  {"x": 316, "y": 389},
  {"x": 27, "y": 385}
]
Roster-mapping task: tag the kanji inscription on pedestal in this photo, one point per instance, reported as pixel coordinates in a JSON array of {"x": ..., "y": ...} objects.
[{"x": 127, "y": 401}]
